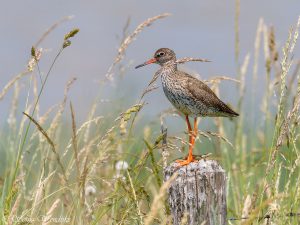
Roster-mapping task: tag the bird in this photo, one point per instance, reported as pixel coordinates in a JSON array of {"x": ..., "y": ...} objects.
[{"x": 189, "y": 95}]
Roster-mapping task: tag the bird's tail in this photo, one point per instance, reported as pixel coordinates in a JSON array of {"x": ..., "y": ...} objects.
[{"x": 228, "y": 112}]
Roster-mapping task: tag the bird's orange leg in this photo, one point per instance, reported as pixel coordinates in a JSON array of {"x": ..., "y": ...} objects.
[
  {"x": 192, "y": 136},
  {"x": 189, "y": 129}
]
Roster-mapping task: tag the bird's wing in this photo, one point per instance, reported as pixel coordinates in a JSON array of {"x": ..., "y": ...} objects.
[{"x": 201, "y": 92}]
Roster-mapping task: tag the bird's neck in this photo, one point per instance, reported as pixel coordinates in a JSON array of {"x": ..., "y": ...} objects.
[
  {"x": 169, "y": 68},
  {"x": 167, "y": 73}
]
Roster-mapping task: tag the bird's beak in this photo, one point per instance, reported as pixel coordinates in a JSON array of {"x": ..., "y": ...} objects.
[{"x": 153, "y": 60}]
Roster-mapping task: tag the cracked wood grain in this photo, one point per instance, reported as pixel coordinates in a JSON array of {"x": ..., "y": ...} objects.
[{"x": 198, "y": 193}]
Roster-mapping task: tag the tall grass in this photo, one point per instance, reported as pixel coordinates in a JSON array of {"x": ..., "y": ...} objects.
[{"x": 108, "y": 170}]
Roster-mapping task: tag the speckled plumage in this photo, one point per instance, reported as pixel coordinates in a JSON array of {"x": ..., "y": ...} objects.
[{"x": 188, "y": 94}]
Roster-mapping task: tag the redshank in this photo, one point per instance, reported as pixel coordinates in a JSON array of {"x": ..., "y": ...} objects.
[{"x": 188, "y": 95}]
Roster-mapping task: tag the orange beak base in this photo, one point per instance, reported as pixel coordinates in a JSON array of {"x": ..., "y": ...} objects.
[{"x": 153, "y": 60}]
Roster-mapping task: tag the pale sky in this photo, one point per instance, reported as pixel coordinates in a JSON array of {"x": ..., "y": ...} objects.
[{"x": 196, "y": 28}]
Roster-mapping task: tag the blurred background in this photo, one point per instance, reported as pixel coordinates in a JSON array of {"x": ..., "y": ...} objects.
[
  {"x": 259, "y": 150},
  {"x": 196, "y": 29}
]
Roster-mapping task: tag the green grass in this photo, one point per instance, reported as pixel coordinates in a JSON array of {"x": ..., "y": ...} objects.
[{"x": 64, "y": 170}]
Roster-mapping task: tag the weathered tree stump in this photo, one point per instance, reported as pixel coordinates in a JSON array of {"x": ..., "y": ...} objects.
[{"x": 198, "y": 193}]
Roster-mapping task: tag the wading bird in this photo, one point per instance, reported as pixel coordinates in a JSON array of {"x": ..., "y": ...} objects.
[{"x": 188, "y": 95}]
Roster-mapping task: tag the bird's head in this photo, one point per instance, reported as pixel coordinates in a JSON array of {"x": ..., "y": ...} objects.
[{"x": 161, "y": 56}]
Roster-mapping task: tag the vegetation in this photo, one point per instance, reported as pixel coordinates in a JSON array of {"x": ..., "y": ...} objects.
[{"x": 108, "y": 170}]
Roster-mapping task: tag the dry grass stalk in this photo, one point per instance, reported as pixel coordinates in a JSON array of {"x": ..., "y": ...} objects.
[
  {"x": 47, "y": 219},
  {"x": 50, "y": 142},
  {"x": 282, "y": 124},
  {"x": 173, "y": 146},
  {"x": 220, "y": 78},
  {"x": 256, "y": 50},
  {"x": 36, "y": 55},
  {"x": 293, "y": 77},
  {"x": 41, "y": 130},
  {"x": 295, "y": 36},
  {"x": 11, "y": 83},
  {"x": 45, "y": 116},
  {"x": 125, "y": 117},
  {"x": 74, "y": 139},
  {"x": 169, "y": 112},
  {"x": 149, "y": 89},
  {"x": 61, "y": 109},
  {"x": 129, "y": 39},
  {"x": 14, "y": 210},
  {"x": 164, "y": 146},
  {"x": 23, "y": 120},
  {"x": 39, "y": 191},
  {"x": 83, "y": 178},
  {"x": 86, "y": 125},
  {"x": 247, "y": 207},
  {"x": 285, "y": 127},
  {"x": 285, "y": 67},
  {"x": 13, "y": 109},
  {"x": 35, "y": 94},
  {"x": 151, "y": 86},
  {"x": 244, "y": 70},
  {"x": 272, "y": 45},
  {"x": 267, "y": 51},
  {"x": 85, "y": 150},
  {"x": 219, "y": 136},
  {"x": 241, "y": 87},
  {"x": 190, "y": 59},
  {"x": 275, "y": 206},
  {"x": 50, "y": 29},
  {"x": 266, "y": 97},
  {"x": 293, "y": 136},
  {"x": 135, "y": 198},
  {"x": 105, "y": 136},
  {"x": 237, "y": 30},
  {"x": 157, "y": 202}
]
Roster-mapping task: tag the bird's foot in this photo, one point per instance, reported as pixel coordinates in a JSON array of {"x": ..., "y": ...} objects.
[{"x": 187, "y": 161}]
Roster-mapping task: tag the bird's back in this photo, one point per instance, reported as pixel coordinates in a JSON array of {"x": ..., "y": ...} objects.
[{"x": 191, "y": 96}]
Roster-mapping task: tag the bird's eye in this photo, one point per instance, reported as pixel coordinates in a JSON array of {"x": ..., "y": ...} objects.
[{"x": 160, "y": 54}]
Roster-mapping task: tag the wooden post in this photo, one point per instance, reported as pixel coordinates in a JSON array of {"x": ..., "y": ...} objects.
[{"x": 198, "y": 193}]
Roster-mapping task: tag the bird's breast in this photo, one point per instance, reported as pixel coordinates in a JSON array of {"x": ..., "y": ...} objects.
[
  {"x": 176, "y": 93},
  {"x": 176, "y": 90}
]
